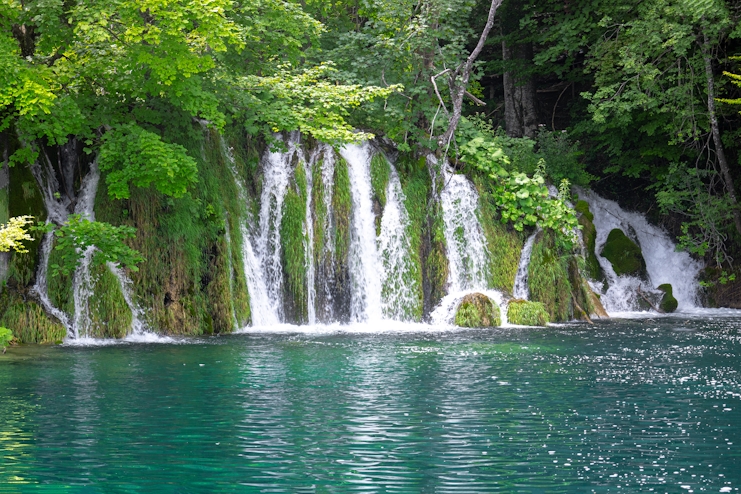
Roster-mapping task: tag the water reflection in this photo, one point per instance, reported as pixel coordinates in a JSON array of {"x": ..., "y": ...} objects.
[{"x": 635, "y": 404}]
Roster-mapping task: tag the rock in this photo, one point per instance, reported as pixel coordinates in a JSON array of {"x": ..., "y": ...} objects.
[
  {"x": 476, "y": 310},
  {"x": 668, "y": 302},
  {"x": 589, "y": 233},
  {"x": 598, "y": 308},
  {"x": 624, "y": 255},
  {"x": 527, "y": 313}
]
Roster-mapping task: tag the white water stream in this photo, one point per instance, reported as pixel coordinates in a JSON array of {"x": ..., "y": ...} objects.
[
  {"x": 521, "y": 289},
  {"x": 263, "y": 309},
  {"x": 663, "y": 263}
]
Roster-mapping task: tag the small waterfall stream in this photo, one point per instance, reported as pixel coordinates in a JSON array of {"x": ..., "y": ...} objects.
[
  {"x": 364, "y": 259},
  {"x": 521, "y": 290},
  {"x": 262, "y": 310},
  {"x": 663, "y": 263},
  {"x": 468, "y": 256}
]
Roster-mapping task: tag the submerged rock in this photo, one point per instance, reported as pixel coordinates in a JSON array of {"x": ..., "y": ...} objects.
[
  {"x": 527, "y": 313},
  {"x": 668, "y": 302},
  {"x": 476, "y": 310},
  {"x": 624, "y": 255}
]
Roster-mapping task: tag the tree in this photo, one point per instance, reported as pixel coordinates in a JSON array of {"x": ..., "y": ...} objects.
[{"x": 13, "y": 233}]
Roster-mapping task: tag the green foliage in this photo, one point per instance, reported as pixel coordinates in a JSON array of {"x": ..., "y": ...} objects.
[
  {"x": 77, "y": 234},
  {"x": 522, "y": 200},
  {"x": 13, "y": 233},
  {"x": 476, "y": 310},
  {"x": 685, "y": 191},
  {"x": 132, "y": 155},
  {"x": 110, "y": 316},
  {"x": 6, "y": 336},
  {"x": 624, "y": 254},
  {"x": 308, "y": 100},
  {"x": 527, "y": 313},
  {"x": 561, "y": 156}
]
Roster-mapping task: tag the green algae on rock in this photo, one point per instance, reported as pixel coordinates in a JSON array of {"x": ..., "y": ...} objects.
[
  {"x": 668, "y": 302},
  {"x": 624, "y": 255},
  {"x": 526, "y": 313},
  {"x": 476, "y": 310}
]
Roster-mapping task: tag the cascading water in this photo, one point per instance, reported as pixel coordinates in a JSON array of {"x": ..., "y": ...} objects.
[
  {"x": 663, "y": 263},
  {"x": 324, "y": 268},
  {"x": 468, "y": 256},
  {"x": 138, "y": 326},
  {"x": 82, "y": 282},
  {"x": 364, "y": 258},
  {"x": 397, "y": 279},
  {"x": 521, "y": 290},
  {"x": 309, "y": 242},
  {"x": 230, "y": 268},
  {"x": 56, "y": 211},
  {"x": 263, "y": 311}
]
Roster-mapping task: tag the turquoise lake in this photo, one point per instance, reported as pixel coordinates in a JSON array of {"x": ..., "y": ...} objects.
[{"x": 623, "y": 406}]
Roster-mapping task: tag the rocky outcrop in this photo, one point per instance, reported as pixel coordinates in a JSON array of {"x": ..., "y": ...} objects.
[
  {"x": 476, "y": 310},
  {"x": 527, "y": 313}
]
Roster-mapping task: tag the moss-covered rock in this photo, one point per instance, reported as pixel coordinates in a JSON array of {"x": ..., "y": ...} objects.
[
  {"x": 592, "y": 267},
  {"x": 668, "y": 302},
  {"x": 548, "y": 277},
  {"x": 624, "y": 255},
  {"x": 476, "y": 310},
  {"x": 527, "y": 313},
  {"x": 28, "y": 321}
]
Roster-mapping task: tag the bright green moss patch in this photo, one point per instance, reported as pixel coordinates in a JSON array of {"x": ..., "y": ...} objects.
[
  {"x": 503, "y": 243},
  {"x": 624, "y": 255},
  {"x": 342, "y": 207},
  {"x": 293, "y": 252},
  {"x": 109, "y": 314},
  {"x": 527, "y": 313},
  {"x": 548, "y": 278},
  {"x": 379, "y": 172},
  {"x": 476, "y": 310},
  {"x": 668, "y": 302}
]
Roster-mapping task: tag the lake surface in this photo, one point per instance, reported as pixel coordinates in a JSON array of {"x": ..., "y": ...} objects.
[{"x": 623, "y": 406}]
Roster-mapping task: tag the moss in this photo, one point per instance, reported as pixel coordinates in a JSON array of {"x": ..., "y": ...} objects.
[
  {"x": 476, "y": 310},
  {"x": 548, "y": 278},
  {"x": 342, "y": 208},
  {"x": 110, "y": 316},
  {"x": 582, "y": 207},
  {"x": 592, "y": 267},
  {"x": 59, "y": 287},
  {"x": 28, "y": 321},
  {"x": 668, "y": 302},
  {"x": 504, "y": 244},
  {"x": 293, "y": 251},
  {"x": 416, "y": 190},
  {"x": 527, "y": 313},
  {"x": 379, "y": 173},
  {"x": 624, "y": 255}
]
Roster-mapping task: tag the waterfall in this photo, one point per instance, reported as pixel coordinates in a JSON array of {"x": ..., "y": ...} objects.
[
  {"x": 263, "y": 311},
  {"x": 468, "y": 256},
  {"x": 309, "y": 242},
  {"x": 82, "y": 282},
  {"x": 138, "y": 326},
  {"x": 398, "y": 284},
  {"x": 663, "y": 263},
  {"x": 364, "y": 260},
  {"x": 326, "y": 259},
  {"x": 56, "y": 211},
  {"x": 521, "y": 290}
]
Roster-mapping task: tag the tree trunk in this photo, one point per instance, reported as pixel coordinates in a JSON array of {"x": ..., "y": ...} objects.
[
  {"x": 520, "y": 115},
  {"x": 719, "y": 150}
]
